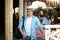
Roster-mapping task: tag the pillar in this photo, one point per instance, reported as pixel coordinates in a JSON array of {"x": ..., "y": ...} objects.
[
  {"x": 24, "y": 7},
  {"x": 21, "y": 9},
  {"x": 8, "y": 19}
]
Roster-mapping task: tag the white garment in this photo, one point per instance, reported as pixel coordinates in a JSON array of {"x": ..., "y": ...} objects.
[{"x": 28, "y": 26}]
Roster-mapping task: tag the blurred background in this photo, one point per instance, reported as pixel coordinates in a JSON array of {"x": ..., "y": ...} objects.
[{"x": 52, "y": 13}]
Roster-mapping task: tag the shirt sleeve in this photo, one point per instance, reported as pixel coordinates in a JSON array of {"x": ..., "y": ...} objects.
[
  {"x": 45, "y": 21},
  {"x": 38, "y": 23},
  {"x": 20, "y": 23}
]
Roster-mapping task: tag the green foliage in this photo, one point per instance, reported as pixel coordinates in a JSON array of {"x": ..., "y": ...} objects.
[
  {"x": 48, "y": 12},
  {"x": 52, "y": 11}
]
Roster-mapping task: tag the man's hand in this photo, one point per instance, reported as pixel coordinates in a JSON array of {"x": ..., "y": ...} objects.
[
  {"x": 43, "y": 33},
  {"x": 43, "y": 36},
  {"x": 23, "y": 35}
]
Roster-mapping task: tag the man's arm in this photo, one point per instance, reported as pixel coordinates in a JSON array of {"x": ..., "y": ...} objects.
[
  {"x": 39, "y": 27},
  {"x": 38, "y": 23},
  {"x": 23, "y": 35},
  {"x": 20, "y": 28}
]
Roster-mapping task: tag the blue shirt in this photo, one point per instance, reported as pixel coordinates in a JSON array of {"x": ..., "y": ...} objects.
[
  {"x": 28, "y": 26},
  {"x": 35, "y": 21},
  {"x": 45, "y": 21}
]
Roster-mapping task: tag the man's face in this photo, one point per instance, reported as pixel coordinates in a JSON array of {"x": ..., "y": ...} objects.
[{"x": 30, "y": 12}]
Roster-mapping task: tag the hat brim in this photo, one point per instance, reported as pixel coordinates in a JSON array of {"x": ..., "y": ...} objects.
[{"x": 29, "y": 9}]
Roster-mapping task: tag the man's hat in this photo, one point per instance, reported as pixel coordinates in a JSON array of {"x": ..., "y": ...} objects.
[{"x": 30, "y": 8}]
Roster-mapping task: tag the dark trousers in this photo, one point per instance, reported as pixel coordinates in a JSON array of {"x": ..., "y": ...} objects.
[
  {"x": 27, "y": 38},
  {"x": 40, "y": 38}
]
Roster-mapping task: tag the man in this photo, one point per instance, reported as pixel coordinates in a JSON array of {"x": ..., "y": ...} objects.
[{"x": 29, "y": 28}]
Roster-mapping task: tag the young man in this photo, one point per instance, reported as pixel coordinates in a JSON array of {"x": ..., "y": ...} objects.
[{"x": 29, "y": 28}]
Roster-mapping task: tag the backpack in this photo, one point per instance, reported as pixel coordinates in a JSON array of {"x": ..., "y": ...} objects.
[{"x": 18, "y": 35}]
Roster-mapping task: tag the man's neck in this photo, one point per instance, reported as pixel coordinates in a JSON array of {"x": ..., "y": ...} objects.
[{"x": 29, "y": 16}]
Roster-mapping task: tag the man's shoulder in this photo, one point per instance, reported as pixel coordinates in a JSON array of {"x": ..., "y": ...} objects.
[{"x": 35, "y": 17}]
